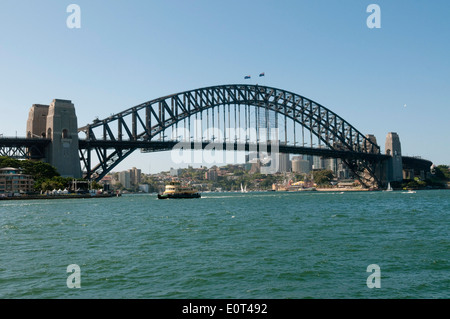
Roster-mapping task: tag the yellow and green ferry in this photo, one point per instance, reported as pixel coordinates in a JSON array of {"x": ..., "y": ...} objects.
[{"x": 174, "y": 190}]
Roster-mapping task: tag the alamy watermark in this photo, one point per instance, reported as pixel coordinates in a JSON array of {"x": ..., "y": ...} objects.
[
  {"x": 374, "y": 279},
  {"x": 374, "y": 19},
  {"x": 74, "y": 279},
  {"x": 74, "y": 19}
]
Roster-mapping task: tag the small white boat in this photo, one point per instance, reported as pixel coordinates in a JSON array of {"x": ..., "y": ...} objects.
[{"x": 389, "y": 188}]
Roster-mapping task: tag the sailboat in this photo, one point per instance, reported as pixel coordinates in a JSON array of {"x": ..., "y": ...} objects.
[
  {"x": 243, "y": 189},
  {"x": 389, "y": 188}
]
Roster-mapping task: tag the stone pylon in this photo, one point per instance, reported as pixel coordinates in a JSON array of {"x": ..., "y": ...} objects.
[
  {"x": 57, "y": 122},
  {"x": 394, "y": 169}
]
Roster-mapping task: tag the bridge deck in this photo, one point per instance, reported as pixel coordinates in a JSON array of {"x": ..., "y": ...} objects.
[
  {"x": 21, "y": 147},
  {"x": 154, "y": 146},
  {"x": 23, "y": 141}
]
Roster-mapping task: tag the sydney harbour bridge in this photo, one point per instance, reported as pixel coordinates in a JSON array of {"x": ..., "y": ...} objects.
[{"x": 236, "y": 117}]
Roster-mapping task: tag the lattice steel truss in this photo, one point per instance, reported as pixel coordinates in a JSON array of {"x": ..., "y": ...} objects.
[
  {"x": 23, "y": 148},
  {"x": 146, "y": 121}
]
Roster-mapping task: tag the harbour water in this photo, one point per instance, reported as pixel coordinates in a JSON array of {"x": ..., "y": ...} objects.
[{"x": 273, "y": 245}]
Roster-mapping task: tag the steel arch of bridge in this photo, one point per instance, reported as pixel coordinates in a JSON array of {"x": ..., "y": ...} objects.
[{"x": 152, "y": 118}]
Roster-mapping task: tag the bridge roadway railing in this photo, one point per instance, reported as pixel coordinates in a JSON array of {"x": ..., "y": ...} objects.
[
  {"x": 155, "y": 146},
  {"x": 22, "y": 147}
]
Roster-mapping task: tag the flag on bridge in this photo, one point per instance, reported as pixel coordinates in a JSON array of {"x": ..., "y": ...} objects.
[
  {"x": 261, "y": 74},
  {"x": 247, "y": 77}
]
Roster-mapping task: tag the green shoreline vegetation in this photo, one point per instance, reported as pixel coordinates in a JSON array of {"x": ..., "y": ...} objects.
[{"x": 46, "y": 177}]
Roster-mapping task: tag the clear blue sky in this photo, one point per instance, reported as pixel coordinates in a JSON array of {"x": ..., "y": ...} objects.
[{"x": 129, "y": 52}]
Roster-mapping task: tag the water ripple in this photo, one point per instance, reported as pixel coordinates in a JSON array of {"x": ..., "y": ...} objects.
[{"x": 262, "y": 245}]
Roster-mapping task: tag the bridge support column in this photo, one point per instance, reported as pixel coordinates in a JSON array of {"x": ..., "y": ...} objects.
[
  {"x": 36, "y": 128},
  {"x": 393, "y": 167},
  {"x": 57, "y": 122},
  {"x": 62, "y": 129}
]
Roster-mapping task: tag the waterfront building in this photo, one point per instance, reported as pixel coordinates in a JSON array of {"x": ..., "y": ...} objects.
[
  {"x": 107, "y": 182},
  {"x": 130, "y": 178},
  {"x": 13, "y": 181}
]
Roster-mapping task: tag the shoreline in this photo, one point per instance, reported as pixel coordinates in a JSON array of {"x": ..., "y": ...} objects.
[
  {"x": 346, "y": 190},
  {"x": 68, "y": 196}
]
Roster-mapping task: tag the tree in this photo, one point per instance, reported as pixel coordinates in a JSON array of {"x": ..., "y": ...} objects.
[
  {"x": 268, "y": 181},
  {"x": 9, "y": 162},
  {"x": 38, "y": 170},
  {"x": 56, "y": 182},
  {"x": 442, "y": 172},
  {"x": 323, "y": 177},
  {"x": 96, "y": 185}
]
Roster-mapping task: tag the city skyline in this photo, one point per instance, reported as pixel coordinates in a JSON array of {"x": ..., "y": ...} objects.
[
  {"x": 302, "y": 164},
  {"x": 391, "y": 79}
]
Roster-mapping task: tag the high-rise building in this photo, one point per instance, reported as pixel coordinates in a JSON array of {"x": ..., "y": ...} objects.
[
  {"x": 331, "y": 164},
  {"x": 343, "y": 172},
  {"x": 135, "y": 176},
  {"x": 265, "y": 122},
  {"x": 310, "y": 159},
  {"x": 130, "y": 178},
  {"x": 300, "y": 165},
  {"x": 318, "y": 162},
  {"x": 284, "y": 163},
  {"x": 124, "y": 179}
]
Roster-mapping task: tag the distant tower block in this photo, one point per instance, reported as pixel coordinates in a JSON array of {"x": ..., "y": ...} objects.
[
  {"x": 62, "y": 129},
  {"x": 395, "y": 166},
  {"x": 37, "y": 121}
]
